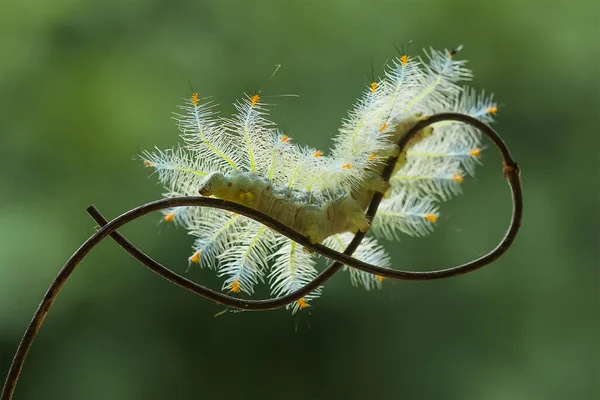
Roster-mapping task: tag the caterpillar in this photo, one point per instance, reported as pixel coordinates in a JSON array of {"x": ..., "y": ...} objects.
[{"x": 247, "y": 160}]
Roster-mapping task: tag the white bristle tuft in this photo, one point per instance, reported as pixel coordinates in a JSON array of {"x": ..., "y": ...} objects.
[{"x": 246, "y": 159}]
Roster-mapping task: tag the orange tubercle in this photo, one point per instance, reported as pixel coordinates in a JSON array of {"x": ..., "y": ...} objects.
[
  {"x": 302, "y": 304},
  {"x": 404, "y": 60},
  {"x": 372, "y": 156},
  {"x": 317, "y": 154},
  {"x": 380, "y": 278},
  {"x": 373, "y": 87},
  {"x": 492, "y": 110},
  {"x": 195, "y": 99},
  {"x": 430, "y": 217},
  {"x": 475, "y": 152},
  {"x": 347, "y": 166},
  {"x": 148, "y": 163},
  {"x": 169, "y": 217},
  {"x": 254, "y": 99},
  {"x": 285, "y": 139},
  {"x": 383, "y": 127},
  {"x": 235, "y": 286},
  {"x": 458, "y": 178},
  {"x": 195, "y": 258}
]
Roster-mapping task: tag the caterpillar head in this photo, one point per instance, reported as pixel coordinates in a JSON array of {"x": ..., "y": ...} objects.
[{"x": 213, "y": 184}]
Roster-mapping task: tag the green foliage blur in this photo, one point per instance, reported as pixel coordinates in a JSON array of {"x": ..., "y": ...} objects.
[{"x": 86, "y": 85}]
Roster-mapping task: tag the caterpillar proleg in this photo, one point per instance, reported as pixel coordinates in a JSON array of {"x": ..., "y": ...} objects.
[{"x": 247, "y": 160}]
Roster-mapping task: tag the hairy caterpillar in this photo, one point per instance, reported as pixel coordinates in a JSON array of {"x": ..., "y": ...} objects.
[{"x": 245, "y": 159}]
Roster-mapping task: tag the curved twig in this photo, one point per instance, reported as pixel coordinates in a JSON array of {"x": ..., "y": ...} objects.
[
  {"x": 109, "y": 228},
  {"x": 511, "y": 173}
]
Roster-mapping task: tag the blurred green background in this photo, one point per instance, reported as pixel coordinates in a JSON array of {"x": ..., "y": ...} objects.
[{"x": 85, "y": 86}]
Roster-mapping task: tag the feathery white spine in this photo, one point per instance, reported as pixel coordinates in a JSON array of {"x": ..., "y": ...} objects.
[
  {"x": 439, "y": 161},
  {"x": 292, "y": 269},
  {"x": 283, "y": 153},
  {"x": 177, "y": 168},
  {"x": 359, "y": 138},
  {"x": 405, "y": 212},
  {"x": 253, "y": 131},
  {"x": 476, "y": 105},
  {"x": 404, "y": 76},
  {"x": 205, "y": 136},
  {"x": 467, "y": 156},
  {"x": 368, "y": 251},
  {"x": 438, "y": 88},
  {"x": 439, "y": 179},
  {"x": 181, "y": 174},
  {"x": 308, "y": 169},
  {"x": 366, "y": 131},
  {"x": 182, "y": 216},
  {"x": 213, "y": 236},
  {"x": 245, "y": 261}
]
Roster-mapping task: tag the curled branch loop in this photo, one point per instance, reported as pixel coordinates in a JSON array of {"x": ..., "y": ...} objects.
[{"x": 510, "y": 170}]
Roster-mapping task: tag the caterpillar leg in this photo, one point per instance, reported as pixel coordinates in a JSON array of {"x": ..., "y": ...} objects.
[
  {"x": 314, "y": 224},
  {"x": 377, "y": 184},
  {"x": 361, "y": 222},
  {"x": 353, "y": 215}
]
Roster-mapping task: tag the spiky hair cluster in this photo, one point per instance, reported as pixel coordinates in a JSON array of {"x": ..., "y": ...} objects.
[{"x": 261, "y": 167}]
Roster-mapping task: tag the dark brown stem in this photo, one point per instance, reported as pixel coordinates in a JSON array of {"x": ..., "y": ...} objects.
[{"x": 511, "y": 172}]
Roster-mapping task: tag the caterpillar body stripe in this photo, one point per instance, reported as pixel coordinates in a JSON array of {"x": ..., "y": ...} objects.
[{"x": 245, "y": 159}]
